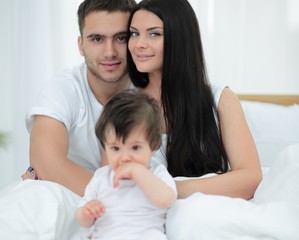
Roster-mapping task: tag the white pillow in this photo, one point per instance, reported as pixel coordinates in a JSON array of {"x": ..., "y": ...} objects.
[
  {"x": 273, "y": 127},
  {"x": 281, "y": 182}
]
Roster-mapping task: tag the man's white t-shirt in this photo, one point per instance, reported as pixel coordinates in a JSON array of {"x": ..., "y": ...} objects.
[{"x": 69, "y": 99}]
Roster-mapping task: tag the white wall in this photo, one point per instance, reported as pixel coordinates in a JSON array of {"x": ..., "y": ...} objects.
[
  {"x": 38, "y": 40},
  {"x": 6, "y": 94},
  {"x": 251, "y": 46}
]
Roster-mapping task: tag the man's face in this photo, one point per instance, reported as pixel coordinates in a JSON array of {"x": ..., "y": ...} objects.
[{"x": 104, "y": 45}]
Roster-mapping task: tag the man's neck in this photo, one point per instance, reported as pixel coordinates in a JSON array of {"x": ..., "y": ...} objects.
[{"x": 103, "y": 91}]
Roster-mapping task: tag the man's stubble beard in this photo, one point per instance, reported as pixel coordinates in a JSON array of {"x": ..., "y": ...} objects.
[{"x": 97, "y": 75}]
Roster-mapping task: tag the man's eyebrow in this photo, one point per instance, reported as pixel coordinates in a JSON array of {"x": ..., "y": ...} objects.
[
  {"x": 94, "y": 35},
  {"x": 124, "y": 33},
  {"x": 121, "y": 33},
  {"x": 97, "y": 35}
]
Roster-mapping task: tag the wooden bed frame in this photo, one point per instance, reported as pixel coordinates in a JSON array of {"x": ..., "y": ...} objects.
[{"x": 276, "y": 99}]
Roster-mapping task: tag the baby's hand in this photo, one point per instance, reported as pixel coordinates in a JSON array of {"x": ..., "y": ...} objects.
[
  {"x": 93, "y": 209},
  {"x": 125, "y": 171}
]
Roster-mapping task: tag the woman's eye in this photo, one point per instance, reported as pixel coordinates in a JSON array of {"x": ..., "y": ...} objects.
[
  {"x": 134, "y": 34},
  {"x": 155, "y": 34}
]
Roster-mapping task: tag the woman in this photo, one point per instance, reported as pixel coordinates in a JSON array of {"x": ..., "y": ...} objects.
[{"x": 205, "y": 126}]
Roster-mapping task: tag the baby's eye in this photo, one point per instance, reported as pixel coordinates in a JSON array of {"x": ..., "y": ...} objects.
[
  {"x": 115, "y": 149},
  {"x": 136, "y": 147}
]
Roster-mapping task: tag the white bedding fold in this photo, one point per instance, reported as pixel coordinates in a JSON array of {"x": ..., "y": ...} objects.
[
  {"x": 208, "y": 217},
  {"x": 45, "y": 210},
  {"x": 38, "y": 210},
  {"x": 272, "y": 214}
]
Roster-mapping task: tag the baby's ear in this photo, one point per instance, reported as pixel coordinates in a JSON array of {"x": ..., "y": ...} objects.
[{"x": 104, "y": 158}]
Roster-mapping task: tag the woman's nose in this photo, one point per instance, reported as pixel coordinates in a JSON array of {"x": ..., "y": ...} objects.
[{"x": 141, "y": 42}]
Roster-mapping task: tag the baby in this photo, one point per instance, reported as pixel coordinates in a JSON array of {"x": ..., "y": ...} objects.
[{"x": 128, "y": 199}]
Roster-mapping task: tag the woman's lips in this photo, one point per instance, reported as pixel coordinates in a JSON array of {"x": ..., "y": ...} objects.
[{"x": 143, "y": 58}]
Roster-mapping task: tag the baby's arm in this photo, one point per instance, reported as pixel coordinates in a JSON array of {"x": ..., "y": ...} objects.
[
  {"x": 88, "y": 213},
  {"x": 158, "y": 192}
]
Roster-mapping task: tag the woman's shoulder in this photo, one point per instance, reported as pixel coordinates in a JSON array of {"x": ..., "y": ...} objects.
[
  {"x": 229, "y": 104},
  {"x": 223, "y": 95},
  {"x": 217, "y": 92}
]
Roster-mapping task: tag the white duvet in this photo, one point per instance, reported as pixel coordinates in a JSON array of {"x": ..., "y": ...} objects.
[
  {"x": 44, "y": 210},
  {"x": 273, "y": 213}
]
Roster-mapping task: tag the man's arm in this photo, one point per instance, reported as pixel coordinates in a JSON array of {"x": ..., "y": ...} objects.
[{"x": 48, "y": 155}]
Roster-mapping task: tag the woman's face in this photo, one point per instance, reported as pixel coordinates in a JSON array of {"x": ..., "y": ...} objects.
[{"x": 146, "y": 42}]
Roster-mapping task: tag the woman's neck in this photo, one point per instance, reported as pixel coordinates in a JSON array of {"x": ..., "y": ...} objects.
[
  {"x": 153, "y": 89},
  {"x": 154, "y": 86}
]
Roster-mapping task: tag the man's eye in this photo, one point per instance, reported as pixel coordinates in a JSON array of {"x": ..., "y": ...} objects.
[
  {"x": 122, "y": 39},
  {"x": 97, "y": 39}
]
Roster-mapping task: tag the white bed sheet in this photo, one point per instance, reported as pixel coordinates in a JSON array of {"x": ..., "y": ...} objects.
[
  {"x": 41, "y": 210},
  {"x": 273, "y": 213},
  {"x": 44, "y": 210}
]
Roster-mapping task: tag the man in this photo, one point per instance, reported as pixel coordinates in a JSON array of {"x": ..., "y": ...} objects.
[{"x": 63, "y": 145}]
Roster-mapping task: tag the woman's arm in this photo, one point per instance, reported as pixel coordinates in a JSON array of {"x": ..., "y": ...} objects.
[
  {"x": 48, "y": 155},
  {"x": 245, "y": 174}
]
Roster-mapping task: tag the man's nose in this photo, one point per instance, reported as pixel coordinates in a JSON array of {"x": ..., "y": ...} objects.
[{"x": 110, "y": 50}]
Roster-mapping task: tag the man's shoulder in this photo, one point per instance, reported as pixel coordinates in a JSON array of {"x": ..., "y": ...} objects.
[
  {"x": 76, "y": 74},
  {"x": 69, "y": 80}
]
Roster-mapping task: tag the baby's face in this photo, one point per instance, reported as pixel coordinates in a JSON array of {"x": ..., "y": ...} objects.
[{"x": 135, "y": 149}]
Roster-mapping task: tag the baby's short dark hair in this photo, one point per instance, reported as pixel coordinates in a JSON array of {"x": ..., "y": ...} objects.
[{"x": 127, "y": 110}]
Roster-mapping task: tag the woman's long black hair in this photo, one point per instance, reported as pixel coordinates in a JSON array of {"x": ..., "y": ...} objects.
[{"x": 194, "y": 145}]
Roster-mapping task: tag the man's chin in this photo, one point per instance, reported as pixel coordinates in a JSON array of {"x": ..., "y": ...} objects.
[{"x": 113, "y": 80}]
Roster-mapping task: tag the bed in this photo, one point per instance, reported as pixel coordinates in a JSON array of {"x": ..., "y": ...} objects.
[{"x": 44, "y": 210}]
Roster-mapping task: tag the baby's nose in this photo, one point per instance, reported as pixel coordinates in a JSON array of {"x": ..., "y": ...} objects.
[{"x": 126, "y": 158}]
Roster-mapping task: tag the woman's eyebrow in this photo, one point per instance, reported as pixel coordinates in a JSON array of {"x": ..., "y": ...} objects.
[{"x": 148, "y": 29}]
